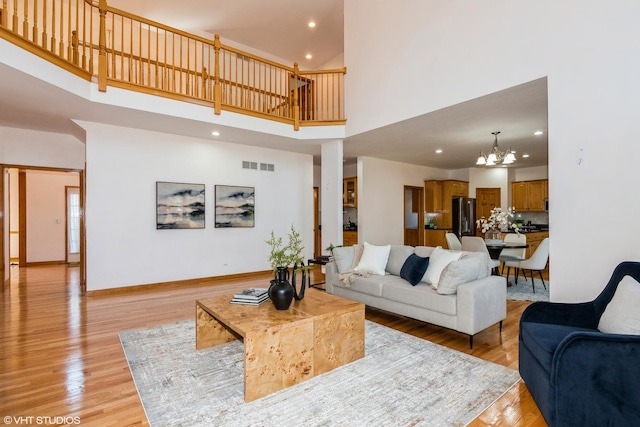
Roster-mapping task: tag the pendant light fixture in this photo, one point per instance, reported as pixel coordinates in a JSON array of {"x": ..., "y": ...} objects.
[{"x": 495, "y": 156}]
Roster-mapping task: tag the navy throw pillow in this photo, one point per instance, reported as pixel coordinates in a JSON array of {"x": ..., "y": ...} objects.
[{"x": 413, "y": 269}]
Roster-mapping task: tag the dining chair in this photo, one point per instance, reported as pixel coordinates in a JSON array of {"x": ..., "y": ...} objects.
[
  {"x": 513, "y": 254},
  {"x": 537, "y": 262},
  {"x": 476, "y": 244},
  {"x": 453, "y": 242}
]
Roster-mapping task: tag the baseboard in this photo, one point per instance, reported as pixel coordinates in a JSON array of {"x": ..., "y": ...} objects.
[
  {"x": 175, "y": 285},
  {"x": 43, "y": 263}
]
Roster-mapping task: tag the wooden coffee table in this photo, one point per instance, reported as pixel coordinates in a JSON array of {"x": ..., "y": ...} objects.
[{"x": 284, "y": 347}]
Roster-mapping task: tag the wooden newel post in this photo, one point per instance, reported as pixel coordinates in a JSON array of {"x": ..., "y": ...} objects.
[
  {"x": 102, "y": 44},
  {"x": 296, "y": 101},
  {"x": 217, "y": 89}
]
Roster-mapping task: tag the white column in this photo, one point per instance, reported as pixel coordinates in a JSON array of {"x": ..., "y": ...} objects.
[{"x": 331, "y": 193}]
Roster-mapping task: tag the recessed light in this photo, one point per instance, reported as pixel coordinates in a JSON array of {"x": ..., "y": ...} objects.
[
  {"x": 312, "y": 24},
  {"x": 538, "y": 132},
  {"x": 524, "y": 156},
  {"x": 439, "y": 150},
  {"x": 308, "y": 56},
  {"x": 215, "y": 133}
]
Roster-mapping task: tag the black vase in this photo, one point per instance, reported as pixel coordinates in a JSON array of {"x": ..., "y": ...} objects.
[{"x": 281, "y": 291}]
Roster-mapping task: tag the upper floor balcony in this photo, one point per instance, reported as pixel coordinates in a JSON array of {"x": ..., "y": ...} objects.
[{"x": 119, "y": 49}]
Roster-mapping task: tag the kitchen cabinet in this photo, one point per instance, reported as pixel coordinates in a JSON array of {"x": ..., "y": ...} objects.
[
  {"x": 349, "y": 238},
  {"x": 533, "y": 241},
  {"x": 350, "y": 192},
  {"x": 433, "y": 196},
  {"x": 529, "y": 196},
  {"x": 435, "y": 238}
]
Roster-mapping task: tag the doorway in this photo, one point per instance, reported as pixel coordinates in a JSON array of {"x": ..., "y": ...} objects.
[
  {"x": 43, "y": 218},
  {"x": 413, "y": 216},
  {"x": 72, "y": 228},
  {"x": 486, "y": 199}
]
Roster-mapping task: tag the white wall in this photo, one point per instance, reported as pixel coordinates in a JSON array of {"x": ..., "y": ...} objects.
[
  {"x": 443, "y": 53},
  {"x": 124, "y": 248},
  {"x": 26, "y": 147},
  {"x": 381, "y": 197},
  {"x": 529, "y": 174},
  {"x": 46, "y": 213}
]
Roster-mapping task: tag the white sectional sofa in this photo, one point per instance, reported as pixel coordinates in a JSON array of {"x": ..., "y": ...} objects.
[{"x": 465, "y": 296}]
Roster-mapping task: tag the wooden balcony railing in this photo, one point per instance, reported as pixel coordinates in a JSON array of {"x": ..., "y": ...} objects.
[{"x": 122, "y": 50}]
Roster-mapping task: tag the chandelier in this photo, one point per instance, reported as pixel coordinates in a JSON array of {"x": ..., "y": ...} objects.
[{"x": 495, "y": 156}]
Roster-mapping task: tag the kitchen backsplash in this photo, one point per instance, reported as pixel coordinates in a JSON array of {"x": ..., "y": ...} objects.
[
  {"x": 349, "y": 214},
  {"x": 534, "y": 217}
]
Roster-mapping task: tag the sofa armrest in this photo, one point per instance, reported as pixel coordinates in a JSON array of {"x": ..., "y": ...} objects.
[
  {"x": 481, "y": 303},
  {"x": 330, "y": 275},
  {"x": 578, "y": 315},
  {"x": 595, "y": 379}
]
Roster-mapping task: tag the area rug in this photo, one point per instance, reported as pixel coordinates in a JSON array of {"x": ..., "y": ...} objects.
[
  {"x": 523, "y": 291},
  {"x": 401, "y": 381}
]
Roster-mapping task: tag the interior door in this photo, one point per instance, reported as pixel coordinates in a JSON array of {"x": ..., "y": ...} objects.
[
  {"x": 317, "y": 237},
  {"x": 413, "y": 216},
  {"x": 486, "y": 199},
  {"x": 73, "y": 225}
]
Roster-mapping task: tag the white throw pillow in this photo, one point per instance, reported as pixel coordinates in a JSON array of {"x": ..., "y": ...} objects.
[
  {"x": 457, "y": 273},
  {"x": 437, "y": 262},
  {"x": 622, "y": 314},
  {"x": 374, "y": 259}
]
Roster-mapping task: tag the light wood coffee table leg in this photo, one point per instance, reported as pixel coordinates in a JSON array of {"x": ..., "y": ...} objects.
[
  {"x": 209, "y": 331},
  {"x": 339, "y": 340},
  {"x": 275, "y": 359}
]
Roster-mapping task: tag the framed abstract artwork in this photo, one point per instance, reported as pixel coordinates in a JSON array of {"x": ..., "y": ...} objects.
[
  {"x": 179, "y": 205},
  {"x": 235, "y": 206}
]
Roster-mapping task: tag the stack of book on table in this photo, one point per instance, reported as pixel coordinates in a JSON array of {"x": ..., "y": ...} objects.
[{"x": 251, "y": 296}]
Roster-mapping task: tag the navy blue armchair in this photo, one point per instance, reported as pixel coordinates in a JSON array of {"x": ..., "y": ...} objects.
[{"x": 577, "y": 375}]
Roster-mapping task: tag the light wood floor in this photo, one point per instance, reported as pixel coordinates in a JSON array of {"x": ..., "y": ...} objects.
[{"x": 60, "y": 355}]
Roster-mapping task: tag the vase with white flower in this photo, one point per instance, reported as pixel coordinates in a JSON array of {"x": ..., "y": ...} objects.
[{"x": 497, "y": 222}]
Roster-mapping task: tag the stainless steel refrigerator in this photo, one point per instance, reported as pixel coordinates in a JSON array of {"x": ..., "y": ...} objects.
[{"x": 463, "y": 212}]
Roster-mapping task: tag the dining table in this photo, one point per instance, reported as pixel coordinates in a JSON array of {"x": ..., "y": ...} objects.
[{"x": 495, "y": 248}]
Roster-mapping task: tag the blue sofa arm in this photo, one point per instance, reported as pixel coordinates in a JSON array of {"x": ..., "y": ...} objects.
[
  {"x": 578, "y": 315},
  {"x": 595, "y": 377}
]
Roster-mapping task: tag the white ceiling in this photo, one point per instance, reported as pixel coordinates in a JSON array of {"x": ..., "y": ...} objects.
[{"x": 279, "y": 27}]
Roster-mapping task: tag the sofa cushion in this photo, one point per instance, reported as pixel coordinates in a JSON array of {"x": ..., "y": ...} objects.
[
  {"x": 485, "y": 269},
  {"x": 343, "y": 257},
  {"x": 374, "y": 259},
  {"x": 421, "y": 295},
  {"x": 437, "y": 262},
  {"x": 542, "y": 339},
  {"x": 621, "y": 315},
  {"x": 423, "y": 251},
  {"x": 413, "y": 269},
  {"x": 458, "y": 272},
  {"x": 397, "y": 256},
  {"x": 370, "y": 285}
]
